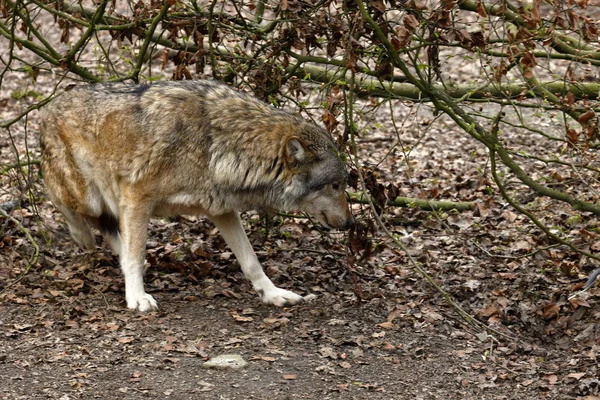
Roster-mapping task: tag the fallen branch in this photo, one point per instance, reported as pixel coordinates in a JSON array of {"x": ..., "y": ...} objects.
[
  {"x": 424, "y": 204},
  {"x": 19, "y": 165}
]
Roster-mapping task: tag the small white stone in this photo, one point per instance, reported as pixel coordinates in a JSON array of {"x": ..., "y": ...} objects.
[
  {"x": 234, "y": 361},
  {"x": 309, "y": 297}
]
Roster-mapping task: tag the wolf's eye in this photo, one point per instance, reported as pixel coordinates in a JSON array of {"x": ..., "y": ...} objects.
[{"x": 335, "y": 186}]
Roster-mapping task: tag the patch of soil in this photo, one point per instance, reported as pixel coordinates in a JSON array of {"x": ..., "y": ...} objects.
[{"x": 323, "y": 349}]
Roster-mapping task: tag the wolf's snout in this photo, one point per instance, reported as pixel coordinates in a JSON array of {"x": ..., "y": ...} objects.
[
  {"x": 349, "y": 222},
  {"x": 337, "y": 214},
  {"x": 339, "y": 221}
]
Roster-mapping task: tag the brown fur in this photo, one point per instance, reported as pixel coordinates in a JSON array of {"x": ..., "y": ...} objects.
[{"x": 114, "y": 155}]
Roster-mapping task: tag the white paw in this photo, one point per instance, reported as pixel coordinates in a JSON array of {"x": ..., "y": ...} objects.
[
  {"x": 280, "y": 297},
  {"x": 143, "y": 303}
]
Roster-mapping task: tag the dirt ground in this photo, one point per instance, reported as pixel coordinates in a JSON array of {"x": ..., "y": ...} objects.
[
  {"x": 66, "y": 334},
  {"x": 326, "y": 349}
]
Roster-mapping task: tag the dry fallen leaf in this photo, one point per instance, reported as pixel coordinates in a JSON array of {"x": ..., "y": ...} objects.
[
  {"x": 488, "y": 311},
  {"x": 345, "y": 364},
  {"x": 431, "y": 316},
  {"x": 576, "y": 302},
  {"x": 509, "y": 216},
  {"x": 112, "y": 326},
  {"x": 576, "y": 375},
  {"x": 552, "y": 379},
  {"x": 551, "y": 310},
  {"x": 328, "y": 352},
  {"x": 136, "y": 376},
  {"x": 239, "y": 318}
]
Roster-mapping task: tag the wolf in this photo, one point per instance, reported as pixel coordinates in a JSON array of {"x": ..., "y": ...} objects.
[{"x": 115, "y": 154}]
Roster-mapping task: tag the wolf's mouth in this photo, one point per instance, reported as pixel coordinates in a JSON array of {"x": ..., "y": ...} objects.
[{"x": 324, "y": 221}]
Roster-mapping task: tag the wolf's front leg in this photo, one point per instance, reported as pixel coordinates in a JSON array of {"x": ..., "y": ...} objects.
[
  {"x": 233, "y": 232},
  {"x": 134, "y": 220}
]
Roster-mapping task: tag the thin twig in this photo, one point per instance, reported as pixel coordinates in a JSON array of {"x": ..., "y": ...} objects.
[
  {"x": 478, "y": 326},
  {"x": 505, "y": 257},
  {"x": 101, "y": 294},
  {"x": 36, "y": 250},
  {"x": 147, "y": 39}
]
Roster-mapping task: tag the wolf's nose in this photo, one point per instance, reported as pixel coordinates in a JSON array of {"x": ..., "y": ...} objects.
[{"x": 349, "y": 222}]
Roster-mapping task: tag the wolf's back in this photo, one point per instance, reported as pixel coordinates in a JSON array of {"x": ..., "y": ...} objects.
[{"x": 189, "y": 142}]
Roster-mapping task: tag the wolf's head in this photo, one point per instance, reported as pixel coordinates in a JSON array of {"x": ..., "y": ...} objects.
[
  {"x": 319, "y": 177},
  {"x": 271, "y": 159}
]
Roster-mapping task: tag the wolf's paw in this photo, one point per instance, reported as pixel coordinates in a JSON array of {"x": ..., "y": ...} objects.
[
  {"x": 143, "y": 303},
  {"x": 280, "y": 297}
]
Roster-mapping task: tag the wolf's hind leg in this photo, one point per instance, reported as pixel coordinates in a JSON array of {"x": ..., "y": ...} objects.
[
  {"x": 134, "y": 218},
  {"x": 114, "y": 241},
  {"x": 108, "y": 225},
  {"x": 231, "y": 229},
  {"x": 78, "y": 227}
]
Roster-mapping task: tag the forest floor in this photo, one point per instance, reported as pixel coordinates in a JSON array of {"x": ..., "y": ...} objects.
[{"x": 376, "y": 329}]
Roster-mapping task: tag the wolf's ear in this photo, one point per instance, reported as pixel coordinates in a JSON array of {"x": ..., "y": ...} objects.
[{"x": 296, "y": 151}]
